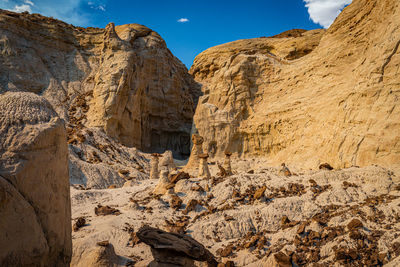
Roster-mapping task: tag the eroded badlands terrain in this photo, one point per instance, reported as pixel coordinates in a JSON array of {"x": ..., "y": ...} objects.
[{"x": 330, "y": 217}]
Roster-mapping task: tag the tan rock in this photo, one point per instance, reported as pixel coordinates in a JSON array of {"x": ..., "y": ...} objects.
[
  {"x": 99, "y": 256},
  {"x": 260, "y": 192},
  {"x": 35, "y": 211},
  {"x": 120, "y": 82},
  {"x": 204, "y": 171},
  {"x": 168, "y": 160},
  {"x": 163, "y": 184},
  {"x": 227, "y": 163},
  {"x": 279, "y": 259},
  {"x": 129, "y": 183},
  {"x": 197, "y": 149},
  {"x": 154, "y": 168},
  {"x": 313, "y": 97}
]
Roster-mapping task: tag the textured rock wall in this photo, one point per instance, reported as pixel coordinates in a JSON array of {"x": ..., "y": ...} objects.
[
  {"x": 122, "y": 79},
  {"x": 35, "y": 209},
  {"x": 316, "y": 97}
]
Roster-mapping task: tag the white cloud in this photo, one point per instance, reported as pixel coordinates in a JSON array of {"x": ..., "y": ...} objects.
[
  {"x": 70, "y": 11},
  {"x": 95, "y": 6},
  {"x": 22, "y": 8},
  {"x": 324, "y": 12},
  {"x": 183, "y": 20}
]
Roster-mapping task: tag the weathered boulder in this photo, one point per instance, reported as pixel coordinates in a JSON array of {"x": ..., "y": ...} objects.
[
  {"x": 35, "y": 211},
  {"x": 171, "y": 249}
]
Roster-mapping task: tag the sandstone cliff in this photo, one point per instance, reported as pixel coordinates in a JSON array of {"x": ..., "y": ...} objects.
[
  {"x": 310, "y": 97},
  {"x": 35, "y": 208},
  {"x": 122, "y": 79},
  {"x": 119, "y": 89}
]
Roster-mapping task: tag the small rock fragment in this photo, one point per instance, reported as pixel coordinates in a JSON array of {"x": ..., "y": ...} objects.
[
  {"x": 105, "y": 210},
  {"x": 190, "y": 206},
  {"x": 80, "y": 222},
  {"x": 260, "y": 192},
  {"x": 179, "y": 176},
  {"x": 301, "y": 228},
  {"x": 325, "y": 166},
  {"x": 175, "y": 202},
  {"x": 104, "y": 243},
  {"x": 285, "y": 170},
  {"x": 225, "y": 252},
  {"x": 354, "y": 224}
]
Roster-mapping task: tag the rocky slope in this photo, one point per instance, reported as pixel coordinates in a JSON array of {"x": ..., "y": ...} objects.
[
  {"x": 256, "y": 217},
  {"x": 308, "y": 97},
  {"x": 35, "y": 207}
]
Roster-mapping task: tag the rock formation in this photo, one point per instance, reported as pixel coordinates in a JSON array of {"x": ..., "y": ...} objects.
[
  {"x": 116, "y": 88},
  {"x": 154, "y": 169},
  {"x": 197, "y": 149},
  {"x": 227, "y": 163},
  {"x": 101, "y": 255},
  {"x": 170, "y": 249},
  {"x": 35, "y": 209},
  {"x": 309, "y": 97},
  {"x": 204, "y": 172},
  {"x": 168, "y": 160},
  {"x": 163, "y": 182},
  {"x": 122, "y": 79}
]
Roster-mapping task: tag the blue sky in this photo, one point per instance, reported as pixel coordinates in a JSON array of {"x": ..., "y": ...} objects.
[{"x": 190, "y": 27}]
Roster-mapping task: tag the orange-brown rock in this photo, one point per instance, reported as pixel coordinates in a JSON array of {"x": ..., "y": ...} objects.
[{"x": 309, "y": 98}]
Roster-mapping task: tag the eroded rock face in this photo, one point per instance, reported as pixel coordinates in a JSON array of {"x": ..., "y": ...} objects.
[
  {"x": 121, "y": 79},
  {"x": 312, "y": 97},
  {"x": 35, "y": 211}
]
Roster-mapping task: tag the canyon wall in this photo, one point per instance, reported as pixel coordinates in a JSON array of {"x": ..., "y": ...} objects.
[
  {"x": 307, "y": 97},
  {"x": 121, "y": 79}
]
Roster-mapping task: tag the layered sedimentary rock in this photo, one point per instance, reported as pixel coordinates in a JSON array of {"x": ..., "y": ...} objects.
[
  {"x": 35, "y": 209},
  {"x": 308, "y": 97},
  {"x": 121, "y": 79}
]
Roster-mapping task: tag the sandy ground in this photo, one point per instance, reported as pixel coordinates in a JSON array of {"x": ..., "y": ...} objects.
[{"x": 306, "y": 216}]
